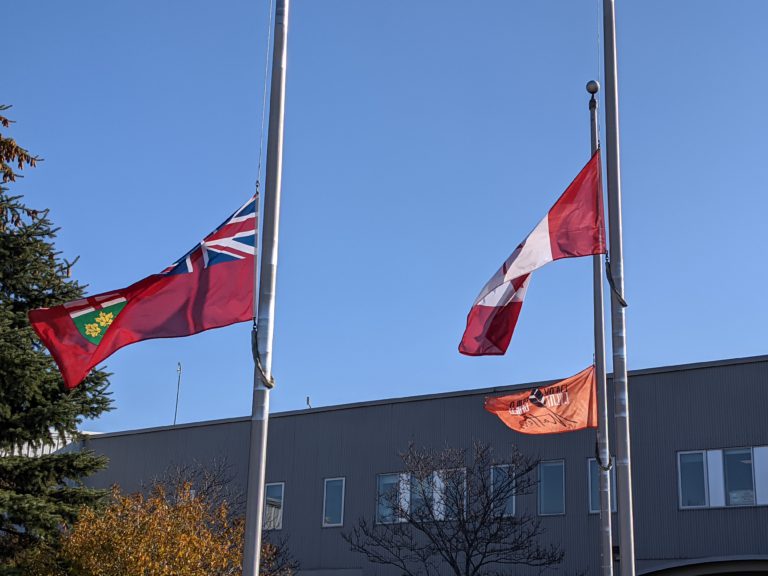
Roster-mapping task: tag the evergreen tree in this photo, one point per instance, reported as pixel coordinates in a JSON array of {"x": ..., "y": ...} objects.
[{"x": 38, "y": 493}]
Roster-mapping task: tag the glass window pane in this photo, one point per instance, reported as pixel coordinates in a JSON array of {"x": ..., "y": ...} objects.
[
  {"x": 502, "y": 480},
  {"x": 594, "y": 487},
  {"x": 421, "y": 496},
  {"x": 273, "y": 509},
  {"x": 449, "y": 493},
  {"x": 739, "y": 488},
  {"x": 552, "y": 488},
  {"x": 693, "y": 484},
  {"x": 333, "y": 507},
  {"x": 387, "y": 493}
]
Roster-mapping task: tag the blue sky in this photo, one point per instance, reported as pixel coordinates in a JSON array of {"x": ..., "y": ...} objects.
[{"x": 423, "y": 141}]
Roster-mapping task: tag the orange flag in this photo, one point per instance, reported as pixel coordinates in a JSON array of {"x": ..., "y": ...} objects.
[{"x": 568, "y": 405}]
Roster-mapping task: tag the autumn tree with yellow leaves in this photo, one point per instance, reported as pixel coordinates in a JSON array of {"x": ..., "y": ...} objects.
[
  {"x": 172, "y": 531},
  {"x": 157, "y": 535}
]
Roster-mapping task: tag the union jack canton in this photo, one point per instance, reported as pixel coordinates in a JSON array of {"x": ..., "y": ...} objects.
[{"x": 235, "y": 239}]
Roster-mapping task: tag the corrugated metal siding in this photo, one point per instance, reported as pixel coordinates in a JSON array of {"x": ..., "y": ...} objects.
[
  {"x": 715, "y": 407},
  {"x": 136, "y": 459},
  {"x": 360, "y": 443},
  {"x": 681, "y": 409}
]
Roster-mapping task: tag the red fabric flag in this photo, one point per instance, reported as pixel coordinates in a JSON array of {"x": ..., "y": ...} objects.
[
  {"x": 565, "y": 406},
  {"x": 209, "y": 287},
  {"x": 573, "y": 227}
]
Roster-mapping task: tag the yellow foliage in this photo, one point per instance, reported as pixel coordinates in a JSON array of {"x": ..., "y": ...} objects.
[{"x": 158, "y": 535}]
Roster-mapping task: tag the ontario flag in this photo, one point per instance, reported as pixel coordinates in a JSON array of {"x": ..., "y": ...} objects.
[
  {"x": 209, "y": 287},
  {"x": 573, "y": 227},
  {"x": 565, "y": 406}
]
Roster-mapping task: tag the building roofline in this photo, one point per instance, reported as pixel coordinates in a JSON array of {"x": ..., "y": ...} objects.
[
  {"x": 435, "y": 396},
  {"x": 670, "y": 566}
]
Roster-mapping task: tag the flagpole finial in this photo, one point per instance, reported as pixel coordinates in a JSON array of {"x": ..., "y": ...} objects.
[{"x": 593, "y": 87}]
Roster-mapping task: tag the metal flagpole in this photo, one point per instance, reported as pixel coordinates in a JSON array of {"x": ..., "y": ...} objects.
[
  {"x": 603, "y": 448},
  {"x": 616, "y": 280},
  {"x": 265, "y": 324}
]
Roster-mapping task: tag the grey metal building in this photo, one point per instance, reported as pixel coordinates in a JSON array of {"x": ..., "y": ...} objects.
[{"x": 699, "y": 449}]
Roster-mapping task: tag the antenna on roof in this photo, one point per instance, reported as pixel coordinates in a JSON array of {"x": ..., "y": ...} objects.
[{"x": 178, "y": 385}]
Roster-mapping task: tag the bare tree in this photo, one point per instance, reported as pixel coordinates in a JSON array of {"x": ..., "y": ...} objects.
[
  {"x": 214, "y": 483},
  {"x": 451, "y": 512}
]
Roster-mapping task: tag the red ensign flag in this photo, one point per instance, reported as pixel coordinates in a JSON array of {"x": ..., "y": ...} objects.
[
  {"x": 573, "y": 227},
  {"x": 209, "y": 287},
  {"x": 568, "y": 405}
]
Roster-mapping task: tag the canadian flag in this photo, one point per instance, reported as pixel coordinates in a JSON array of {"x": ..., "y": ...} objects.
[{"x": 573, "y": 227}]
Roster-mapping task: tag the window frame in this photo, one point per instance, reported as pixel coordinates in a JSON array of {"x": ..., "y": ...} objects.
[
  {"x": 439, "y": 506},
  {"x": 282, "y": 505},
  {"x": 538, "y": 498},
  {"x": 705, "y": 471},
  {"x": 325, "y": 500},
  {"x": 514, "y": 493},
  {"x": 752, "y": 468},
  {"x": 404, "y": 485},
  {"x": 614, "y": 495},
  {"x": 403, "y": 494},
  {"x": 430, "y": 483}
]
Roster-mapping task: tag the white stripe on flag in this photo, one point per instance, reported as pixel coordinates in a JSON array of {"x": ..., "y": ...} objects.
[
  {"x": 81, "y": 312},
  {"x": 504, "y": 294},
  {"x": 536, "y": 251},
  {"x": 520, "y": 294},
  {"x": 112, "y": 302}
]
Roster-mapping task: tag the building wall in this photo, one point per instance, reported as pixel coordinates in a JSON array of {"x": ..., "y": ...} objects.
[
  {"x": 57, "y": 442},
  {"x": 703, "y": 406},
  {"x": 720, "y": 406}
]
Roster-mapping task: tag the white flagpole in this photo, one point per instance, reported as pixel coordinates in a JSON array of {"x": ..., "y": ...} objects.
[
  {"x": 616, "y": 278},
  {"x": 603, "y": 450},
  {"x": 265, "y": 325}
]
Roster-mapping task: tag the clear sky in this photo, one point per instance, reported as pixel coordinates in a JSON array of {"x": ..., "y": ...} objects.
[{"x": 423, "y": 141}]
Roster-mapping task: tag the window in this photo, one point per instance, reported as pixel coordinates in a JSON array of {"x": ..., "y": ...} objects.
[
  {"x": 502, "y": 478},
  {"x": 450, "y": 493},
  {"x": 723, "y": 478},
  {"x": 692, "y": 467},
  {"x": 273, "y": 506},
  {"x": 739, "y": 481},
  {"x": 333, "y": 502},
  {"x": 594, "y": 487},
  {"x": 760, "y": 465},
  {"x": 439, "y": 495},
  {"x": 552, "y": 488},
  {"x": 422, "y": 495},
  {"x": 389, "y": 491}
]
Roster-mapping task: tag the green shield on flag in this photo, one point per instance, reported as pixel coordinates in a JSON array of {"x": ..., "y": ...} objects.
[{"x": 93, "y": 324}]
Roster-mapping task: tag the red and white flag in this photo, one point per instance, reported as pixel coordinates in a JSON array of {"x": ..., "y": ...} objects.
[
  {"x": 573, "y": 227},
  {"x": 209, "y": 287}
]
